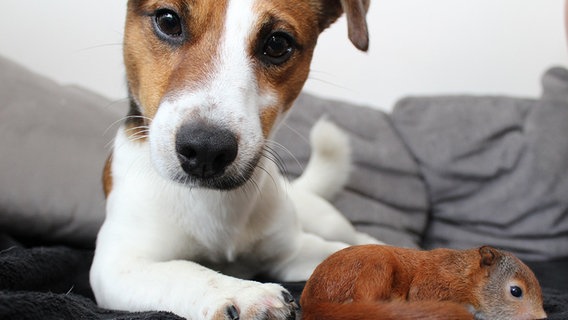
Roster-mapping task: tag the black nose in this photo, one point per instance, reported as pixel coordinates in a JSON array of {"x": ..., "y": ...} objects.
[{"x": 205, "y": 151}]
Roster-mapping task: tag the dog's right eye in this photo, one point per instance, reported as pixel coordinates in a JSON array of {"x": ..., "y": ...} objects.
[
  {"x": 168, "y": 25},
  {"x": 278, "y": 48}
]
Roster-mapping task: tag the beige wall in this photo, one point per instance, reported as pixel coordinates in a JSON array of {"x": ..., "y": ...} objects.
[{"x": 417, "y": 47}]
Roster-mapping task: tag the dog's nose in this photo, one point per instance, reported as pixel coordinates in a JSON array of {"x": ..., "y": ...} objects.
[{"x": 205, "y": 151}]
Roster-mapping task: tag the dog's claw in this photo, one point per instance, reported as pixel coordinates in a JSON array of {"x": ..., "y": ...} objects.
[
  {"x": 288, "y": 298},
  {"x": 233, "y": 313}
]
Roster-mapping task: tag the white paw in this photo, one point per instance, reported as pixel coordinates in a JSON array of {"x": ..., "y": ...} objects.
[{"x": 254, "y": 301}]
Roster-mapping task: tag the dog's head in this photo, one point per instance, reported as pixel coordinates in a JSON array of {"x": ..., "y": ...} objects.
[{"x": 209, "y": 80}]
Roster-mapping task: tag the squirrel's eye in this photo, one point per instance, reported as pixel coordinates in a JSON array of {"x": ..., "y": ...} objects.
[
  {"x": 168, "y": 25},
  {"x": 516, "y": 291}
]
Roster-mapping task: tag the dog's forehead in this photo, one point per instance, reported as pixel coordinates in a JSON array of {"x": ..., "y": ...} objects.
[{"x": 223, "y": 39}]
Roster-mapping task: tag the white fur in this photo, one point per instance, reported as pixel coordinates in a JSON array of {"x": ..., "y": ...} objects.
[
  {"x": 330, "y": 161},
  {"x": 176, "y": 247},
  {"x": 229, "y": 98},
  {"x": 324, "y": 176}
]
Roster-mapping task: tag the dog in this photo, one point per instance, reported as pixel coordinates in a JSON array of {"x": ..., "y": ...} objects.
[{"x": 196, "y": 204}]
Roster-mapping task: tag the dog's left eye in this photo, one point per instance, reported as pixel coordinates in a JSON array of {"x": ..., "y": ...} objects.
[
  {"x": 168, "y": 24},
  {"x": 278, "y": 48}
]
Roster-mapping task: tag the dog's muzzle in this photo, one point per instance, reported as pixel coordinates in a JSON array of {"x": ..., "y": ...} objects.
[{"x": 205, "y": 151}]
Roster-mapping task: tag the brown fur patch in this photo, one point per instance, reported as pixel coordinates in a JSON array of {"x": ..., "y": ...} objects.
[
  {"x": 107, "y": 176},
  {"x": 268, "y": 117},
  {"x": 300, "y": 21},
  {"x": 156, "y": 68}
]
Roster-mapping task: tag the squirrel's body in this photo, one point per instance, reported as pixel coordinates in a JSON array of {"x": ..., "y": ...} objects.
[{"x": 383, "y": 282}]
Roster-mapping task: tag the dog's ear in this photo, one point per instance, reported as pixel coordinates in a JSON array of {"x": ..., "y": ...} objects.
[{"x": 355, "y": 11}]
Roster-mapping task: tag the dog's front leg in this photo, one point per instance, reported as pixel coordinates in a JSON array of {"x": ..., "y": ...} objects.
[
  {"x": 146, "y": 268},
  {"x": 310, "y": 251},
  {"x": 187, "y": 289}
]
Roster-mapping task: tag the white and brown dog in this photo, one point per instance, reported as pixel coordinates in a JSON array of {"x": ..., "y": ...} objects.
[{"x": 195, "y": 202}]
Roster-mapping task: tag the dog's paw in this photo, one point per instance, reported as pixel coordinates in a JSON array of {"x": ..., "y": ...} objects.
[{"x": 257, "y": 302}]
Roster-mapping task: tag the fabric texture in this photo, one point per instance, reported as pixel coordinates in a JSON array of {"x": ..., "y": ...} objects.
[
  {"x": 385, "y": 195},
  {"x": 495, "y": 168},
  {"x": 52, "y": 150},
  {"x": 439, "y": 171},
  {"x": 48, "y": 283}
]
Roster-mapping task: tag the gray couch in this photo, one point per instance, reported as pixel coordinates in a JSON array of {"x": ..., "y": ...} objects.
[{"x": 453, "y": 171}]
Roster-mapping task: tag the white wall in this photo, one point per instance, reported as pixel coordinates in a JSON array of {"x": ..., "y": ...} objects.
[{"x": 417, "y": 47}]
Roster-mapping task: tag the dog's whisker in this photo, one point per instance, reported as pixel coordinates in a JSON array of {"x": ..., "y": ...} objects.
[
  {"x": 303, "y": 138},
  {"x": 137, "y": 135},
  {"x": 251, "y": 188},
  {"x": 329, "y": 83},
  {"x": 137, "y": 130},
  {"x": 269, "y": 174},
  {"x": 115, "y": 123},
  {"x": 251, "y": 185},
  {"x": 123, "y": 119},
  {"x": 138, "y": 138},
  {"x": 104, "y": 45},
  {"x": 142, "y": 134},
  {"x": 139, "y": 117},
  {"x": 298, "y": 133},
  {"x": 130, "y": 117},
  {"x": 278, "y": 158},
  {"x": 274, "y": 157},
  {"x": 109, "y": 145}
]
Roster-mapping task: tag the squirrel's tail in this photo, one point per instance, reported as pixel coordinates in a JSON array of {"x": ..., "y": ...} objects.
[
  {"x": 328, "y": 170},
  {"x": 388, "y": 310}
]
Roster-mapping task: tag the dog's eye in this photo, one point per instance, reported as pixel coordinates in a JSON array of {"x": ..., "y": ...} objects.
[
  {"x": 278, "y": 48},
  {"x": 168, "y": 24}
]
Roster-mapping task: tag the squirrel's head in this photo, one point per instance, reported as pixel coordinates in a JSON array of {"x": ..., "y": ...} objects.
[{"x": 509, "y": 288}]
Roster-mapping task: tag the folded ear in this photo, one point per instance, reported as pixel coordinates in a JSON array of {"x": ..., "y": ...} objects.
[
  {"x": 488, "y": 255},
  {"x": 355, "y": 11}
]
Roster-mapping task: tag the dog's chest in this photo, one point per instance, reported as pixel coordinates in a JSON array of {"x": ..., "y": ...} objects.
[{"x": 226, "y": 230}]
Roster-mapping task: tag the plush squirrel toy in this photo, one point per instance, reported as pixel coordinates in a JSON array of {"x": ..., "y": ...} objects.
[{"x": 383, "y": 282}]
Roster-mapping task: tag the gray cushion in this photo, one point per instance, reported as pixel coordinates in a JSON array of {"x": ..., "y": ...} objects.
[
  {"x": 54, "y": 141},
  {"x": 495, "y": 168},
  {"x": 385, "y": 196},
  {"x": 488, "y": 170},
  {"x": 52, "y": 150}
]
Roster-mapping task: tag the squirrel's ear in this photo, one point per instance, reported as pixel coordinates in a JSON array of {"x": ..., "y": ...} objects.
[{"x": 488, "y": 256}]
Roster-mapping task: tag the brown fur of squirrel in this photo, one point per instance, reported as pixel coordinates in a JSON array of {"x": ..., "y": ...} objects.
[{"x": 384, "y": 282}]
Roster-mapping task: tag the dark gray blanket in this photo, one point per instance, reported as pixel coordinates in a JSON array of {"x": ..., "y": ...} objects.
[{"x": 52, "y": 283}]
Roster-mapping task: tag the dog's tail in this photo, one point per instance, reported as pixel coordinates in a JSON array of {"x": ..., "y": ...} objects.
[{"x": 329, "y": 167}]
